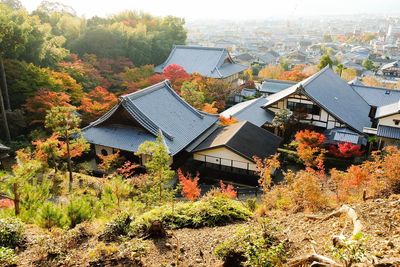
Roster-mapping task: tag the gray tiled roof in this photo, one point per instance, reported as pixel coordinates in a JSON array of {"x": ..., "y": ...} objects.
[
  {"x": 388, "y": 132},
  {"x": 274, "y": 86},
  {"x": 376, "y": 96},
  {"x": 158, "y": 109},
  {"x": 243, "y": 138},
  {"x": 118, "y": 136},
  {"x": 338, "y": 135},
  {"x": 251, "y": 111},
  {"x": 395, "y": 64},
  {"x": 334, "y": 95},
  {"x": 207, "y": 61}
]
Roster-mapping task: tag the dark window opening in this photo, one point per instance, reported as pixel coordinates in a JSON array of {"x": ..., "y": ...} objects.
[
  {"x": 302, "y": 107},
  {"x": 104, "y": 152}
]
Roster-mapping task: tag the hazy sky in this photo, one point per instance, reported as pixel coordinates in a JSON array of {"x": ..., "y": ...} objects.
[{"x": 231, "y": 9}]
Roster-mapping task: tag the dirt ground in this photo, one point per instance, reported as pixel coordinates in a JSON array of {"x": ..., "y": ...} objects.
[{"x": 194, "y": 247}]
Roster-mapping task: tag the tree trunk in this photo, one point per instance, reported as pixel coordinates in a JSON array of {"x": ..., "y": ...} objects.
[
  {"x": 4, "y": 116},
  {"x": 16, "y": 198},
  {"x": 71, "y": 179},
  {"x": 4, "y": 85}
]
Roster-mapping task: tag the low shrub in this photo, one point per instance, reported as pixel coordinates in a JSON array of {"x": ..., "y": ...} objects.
[
  {"x": 51, "y": 216},
  {"x": 253, "y": 246},
  {"x": 205, "y": 212},
  {"x": 251, "y": 204},
  {"x": 11, "y": 232},
  {"x": 120, "y": 226},
  {"x": 78, "y": 210},
  {"x": 7, "y": 257},
  {"x": 102, "y": 250},
  {"x": 279, "y": 197}
]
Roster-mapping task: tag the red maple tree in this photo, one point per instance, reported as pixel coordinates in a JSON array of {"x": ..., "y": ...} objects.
[
  {"x": 345, "y": 150},
  {"x": 176, "y": 74}
]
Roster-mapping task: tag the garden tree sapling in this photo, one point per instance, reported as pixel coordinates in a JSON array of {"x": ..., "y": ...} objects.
[
  {"x": 265, "y": 168},
  {"x": 280, "y": 120},
  {"x": 13, "y": 186},
  {"x": 65, "y": 123},
  {"x": 157, "y": 163},
  {"x": 118, "y": 187}
]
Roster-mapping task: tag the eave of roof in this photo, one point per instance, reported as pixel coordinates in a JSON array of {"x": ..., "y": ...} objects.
[{"x": 387, "y": 110}]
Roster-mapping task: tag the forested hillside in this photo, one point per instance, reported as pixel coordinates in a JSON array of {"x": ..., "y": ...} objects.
[{"x": 52, "y": 57}]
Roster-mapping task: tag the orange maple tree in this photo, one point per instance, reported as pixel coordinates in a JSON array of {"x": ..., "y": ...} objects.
[
  {"x": 96, "y": 103},
  {"x": 209, "y": 108},
  {"x": 265, "y": 168},
  {"x": 52, "y": 149},
  {"x": 310, "y": 151},
  {"x": 190, "y": 186},
  {"x": 37, "y": 105},
  {"x": 108, "y": 161},
  {"x": 224, "y": 121}
]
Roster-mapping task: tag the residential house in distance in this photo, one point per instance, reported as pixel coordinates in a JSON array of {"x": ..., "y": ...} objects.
[
  {"x": 391, "y": 69},
  {"x": 270, "y": 57},
  {"x": 211, "y": 62},
  {"x": 245, "y": 59}
]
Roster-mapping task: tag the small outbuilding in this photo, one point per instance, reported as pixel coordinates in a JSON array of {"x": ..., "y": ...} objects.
[{"x": 233, "y": 147}]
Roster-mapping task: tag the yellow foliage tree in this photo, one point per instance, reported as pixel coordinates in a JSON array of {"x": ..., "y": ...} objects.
[{"x": 271, "y": 72}]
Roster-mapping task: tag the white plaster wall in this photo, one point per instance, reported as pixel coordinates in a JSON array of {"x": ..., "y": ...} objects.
[{"x": 224, "y": 157}]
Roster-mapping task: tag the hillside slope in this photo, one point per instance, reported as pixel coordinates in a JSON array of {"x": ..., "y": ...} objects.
[{"x": 194, "y": 247}]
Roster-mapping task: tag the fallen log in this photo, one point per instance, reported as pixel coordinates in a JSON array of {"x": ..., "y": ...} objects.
[
  {"x": 315, "y": 259},
  {"x": 391, "y": 262}
]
